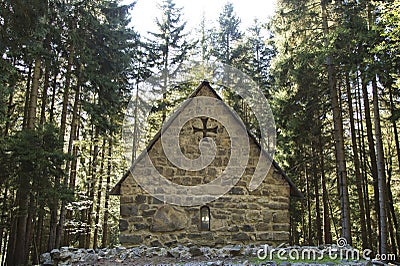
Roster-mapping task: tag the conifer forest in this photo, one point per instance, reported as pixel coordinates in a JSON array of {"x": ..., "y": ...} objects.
[{"x": 330, "y": 70}]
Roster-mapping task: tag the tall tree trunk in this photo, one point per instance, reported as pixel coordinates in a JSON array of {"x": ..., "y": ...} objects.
[
  {"x": 33, "y": 97},
  {"x": 65, "y": 103},
  {"x": 55, "y": 234},
  {"x": 4, "y": 249},
  {"x": 390, "y": 194},
  {"x": 98, "y": 203},
  {"x": 30, "y": 226},
  {"x": 357, "y": 166},
  {"x": 338, "y": 134},
  {"x": 363, "y": 157},
  {"x": 374, "y": 164},
  {"x": 303, "y": 223},
  {"x": 53, "y": 97},
  {"x": 391, "y": 233},
  {"x": 309, "y": 222},
  {"x": 3, "y": 223},
  {"x": 92, "y": 186},
  {"x": 371, "y": 148},
  {"x": 318, "y": 223},
  {"x": 326, "y": 218},
  {"x": 27, "y": 93},
  {"x": 72, "y": 138},
  {"x": 135, "y": 129},
  {"x": 39, "y": 231},
  {"x": 17, "y": 254},
  {"x": 44, "y": 92},
  {"x": 394, "y": 218},
  {"x": 381, "y": 171},
  {"x": 104, "y": 241},
  {"x": 63, "y": 126},
  {"x": 84, "y": 212},
  {"x": 72, "y": 182},
  {"x": 10, "y": 110},
  {"x": 333, "y": 220}
]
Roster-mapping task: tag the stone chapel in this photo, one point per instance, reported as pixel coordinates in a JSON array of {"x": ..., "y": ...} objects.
[{"x": 240, "y": 216}]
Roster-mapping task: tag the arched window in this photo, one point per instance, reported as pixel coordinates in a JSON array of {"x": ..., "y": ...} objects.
[{"x": 205, "y": 218}]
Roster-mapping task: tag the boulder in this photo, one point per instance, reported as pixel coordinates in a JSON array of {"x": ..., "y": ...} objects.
[
  {"x": 168, "y": 219},
  {"x": 55, "y": 254},
  {"x": 45, "y": 259}
]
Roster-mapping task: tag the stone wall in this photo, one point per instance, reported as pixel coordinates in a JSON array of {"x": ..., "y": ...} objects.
[{"x": 238, "y": 217}]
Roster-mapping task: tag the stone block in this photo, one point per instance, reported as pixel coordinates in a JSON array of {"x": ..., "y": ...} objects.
[
  {"x": 144, "y": 207},
  {"x": 211, "y": 171},
  {"x": 269, "y": 236},
  {"x": 247, "y": 228},
  {"x": 169, "y": 171},
  {"x": 281, "y": 236},
  {"x": 267, "y": 216},
  {"x": 195, "y": 251},
  {"x": 281, "y": 199},
  {"x": 130, "y": 239},
  {"x": 168, "y": 219},
  {"x": 171, "y": 243},
  {"x": 123, "y": 225},
  {"x": 280, "y": 227},
  {"x": 263, "y": 227},
  {"x": 240, "y": 237},
  {"x": 128, "y": 210},
  {"x": 238, "y": 218},
  {"x": 148, "y": 213},
  {"x": 195, "y": 180},
  {"x": 277, "y": 206},
  {"x": 253, "y": 216},
  {"x": 135, "y": 219},
  {"x": 234, "y": 228},
  {"x": 140, "y": 226},
  {"x": 140, "y": 199},
  {"x": 194, "y": 236},
  {"x": 280, "y": 217},
  {"x": 156, "y": 243},
  {"x": 156, "y": 201},
  {"x": 126, "y": 199}
]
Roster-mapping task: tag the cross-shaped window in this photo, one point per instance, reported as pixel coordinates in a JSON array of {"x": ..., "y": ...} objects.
[{"x": 205, "y": 130}]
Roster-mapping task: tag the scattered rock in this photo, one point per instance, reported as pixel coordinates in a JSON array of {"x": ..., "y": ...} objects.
[
  {"x": 377, "y": 262},
  {"x": 235, "y": 250},
  {"x": 195, "y": 251},
  {"x": 46, "y": 260},
  {"x": 215, "y": 263},
  {"x": 190, "y": 255},
  {"x": 174, "y": 252},
  {"x": 55, "y": 254}
]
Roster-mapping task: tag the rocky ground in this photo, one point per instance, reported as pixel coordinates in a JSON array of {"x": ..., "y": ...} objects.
[{"x": 196, "y": 256}]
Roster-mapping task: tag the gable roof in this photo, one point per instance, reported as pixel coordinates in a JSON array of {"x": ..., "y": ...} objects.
[{"x": 116, "y": 190}]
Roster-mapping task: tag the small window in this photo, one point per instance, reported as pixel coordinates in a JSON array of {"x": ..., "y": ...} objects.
[{"x": 205, "y": 218}]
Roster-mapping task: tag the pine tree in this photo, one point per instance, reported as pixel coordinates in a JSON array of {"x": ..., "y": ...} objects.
[
  {"x": 227, "y": 35},
  {"x": 168, "y": 47}
]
